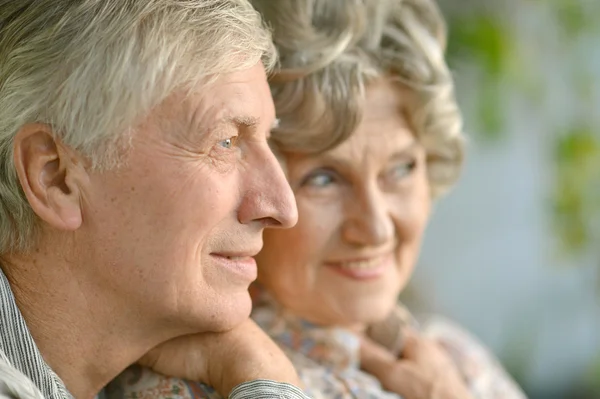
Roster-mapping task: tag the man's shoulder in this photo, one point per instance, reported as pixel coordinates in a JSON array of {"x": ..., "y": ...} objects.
[{"x": 14, "y": 384}]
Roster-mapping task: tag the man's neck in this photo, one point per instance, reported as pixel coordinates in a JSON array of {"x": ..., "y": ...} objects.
[{"x": 85, "y": 337}]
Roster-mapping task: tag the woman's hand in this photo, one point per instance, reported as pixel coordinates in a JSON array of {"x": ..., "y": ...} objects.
[
  {"x": 425, "y": 371},
  {"x": 223, "y": 360}
]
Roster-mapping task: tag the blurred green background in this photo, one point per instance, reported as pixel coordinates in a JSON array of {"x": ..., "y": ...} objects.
[
  {"x": 514, "y": 252},
  {"x": 497, "y": 37}
]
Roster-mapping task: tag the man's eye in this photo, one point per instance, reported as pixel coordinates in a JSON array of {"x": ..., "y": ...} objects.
[{"x": 228, "y": 143}]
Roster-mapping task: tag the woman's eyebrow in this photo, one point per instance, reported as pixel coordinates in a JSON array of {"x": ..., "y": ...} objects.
[
  {"x": 408, "y": 150},
  {"x": 403, "y": 152}
]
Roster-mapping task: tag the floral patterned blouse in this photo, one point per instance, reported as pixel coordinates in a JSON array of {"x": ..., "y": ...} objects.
[{"x": 327, "y": 360}]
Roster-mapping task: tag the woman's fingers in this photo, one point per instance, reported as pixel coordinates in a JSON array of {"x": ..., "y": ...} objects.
[
  {"x": 428, "y": 353},
  {"x": 374, "y": 357},
  {"x": 394, "y": 375},
  {"x": 424, "y": 372},
  {"x": 411, "y": 345}
]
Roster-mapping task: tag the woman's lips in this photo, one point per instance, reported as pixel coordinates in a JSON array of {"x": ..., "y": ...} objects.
[{"x": 362, "y": 269}]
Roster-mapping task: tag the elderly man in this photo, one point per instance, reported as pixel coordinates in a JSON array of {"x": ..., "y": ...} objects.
[{"x": 135, "y": 183}]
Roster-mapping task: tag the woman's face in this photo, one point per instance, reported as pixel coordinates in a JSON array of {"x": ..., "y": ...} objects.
[{"x": 363, "y": 207}]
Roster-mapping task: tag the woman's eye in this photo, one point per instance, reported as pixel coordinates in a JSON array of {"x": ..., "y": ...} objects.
[
  {"x": 403, "y": 169},
  {"x": 319, "y": 179},
  {"x": 228, "y": 143}
]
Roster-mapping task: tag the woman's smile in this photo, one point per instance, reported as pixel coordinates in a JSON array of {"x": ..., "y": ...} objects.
[{"x": 365, "y": 269}]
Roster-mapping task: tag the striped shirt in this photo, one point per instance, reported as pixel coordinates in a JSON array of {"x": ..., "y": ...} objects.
[
  {"x": 25, "y": 375},
  {"x": 19, "y": 352}
]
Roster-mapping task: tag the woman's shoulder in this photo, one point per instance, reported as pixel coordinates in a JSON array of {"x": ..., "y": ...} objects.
[
  {"x": 477, "y": 364},
  {"x": 453, "y": 336},
  {"x": 482, "y": 372}
]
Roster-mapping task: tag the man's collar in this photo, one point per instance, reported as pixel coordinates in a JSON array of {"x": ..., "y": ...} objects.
[{"x": 18, "y": 347}]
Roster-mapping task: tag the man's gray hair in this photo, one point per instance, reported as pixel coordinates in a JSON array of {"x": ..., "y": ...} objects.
[{"x": 91, "y": 69}]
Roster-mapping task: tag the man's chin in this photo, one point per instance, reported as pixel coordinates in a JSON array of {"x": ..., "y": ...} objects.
[{"x": 233, "y": 314}]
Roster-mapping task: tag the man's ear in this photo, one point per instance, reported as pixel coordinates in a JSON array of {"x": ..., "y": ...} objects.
[{"x": 50, "y": 175}]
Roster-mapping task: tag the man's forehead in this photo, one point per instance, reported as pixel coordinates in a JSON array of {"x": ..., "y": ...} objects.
[{"x": 233, "y": 106}]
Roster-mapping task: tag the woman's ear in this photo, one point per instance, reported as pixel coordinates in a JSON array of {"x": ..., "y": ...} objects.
[{"x": 50, "y": 176}]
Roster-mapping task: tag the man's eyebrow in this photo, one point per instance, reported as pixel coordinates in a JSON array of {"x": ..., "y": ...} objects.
[
  {"x": 248, "y": 122},
  {"x": 274, "y": 125}
]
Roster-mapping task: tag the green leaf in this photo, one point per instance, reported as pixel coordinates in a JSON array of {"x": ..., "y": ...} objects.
[
  {"x": 572, "y": 17},
  {"x": 574, "y": 199},
  {"x": 579, "y": 145},
  {"x": 490, "y": 110},
  {"x": 483, "y": 38}
]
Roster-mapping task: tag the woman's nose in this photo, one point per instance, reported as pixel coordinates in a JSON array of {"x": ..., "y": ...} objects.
[{"x": 368, "y": 220}]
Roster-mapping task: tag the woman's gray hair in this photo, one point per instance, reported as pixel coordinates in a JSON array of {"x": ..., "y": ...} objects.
[
  {"x": 92, "y": 69},
  {"x": 331, "y": 49}
]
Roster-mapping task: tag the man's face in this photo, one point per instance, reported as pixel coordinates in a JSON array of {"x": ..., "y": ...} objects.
[{"x": 178, "y": 225}]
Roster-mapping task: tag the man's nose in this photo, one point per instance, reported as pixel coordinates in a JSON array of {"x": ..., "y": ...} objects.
[{"x": 269, "y": 198}]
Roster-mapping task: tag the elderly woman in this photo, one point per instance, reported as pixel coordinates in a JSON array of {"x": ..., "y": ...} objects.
[
  {"x": 135, "y": 183},
  {"x": 369, "y": 136}
]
